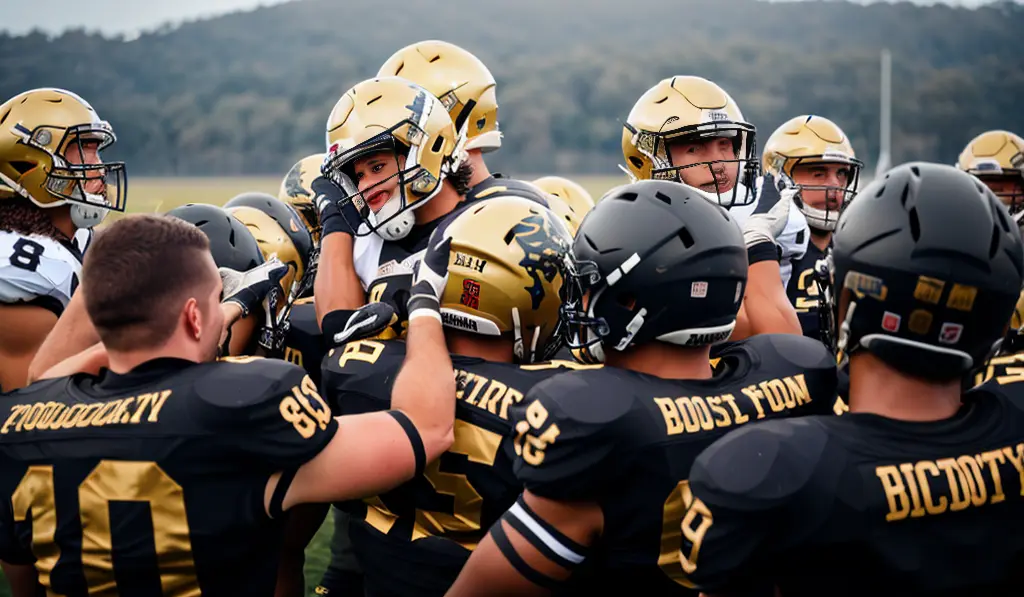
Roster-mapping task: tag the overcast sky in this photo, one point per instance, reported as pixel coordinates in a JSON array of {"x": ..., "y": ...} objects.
[{"x": 132, "y": 16}]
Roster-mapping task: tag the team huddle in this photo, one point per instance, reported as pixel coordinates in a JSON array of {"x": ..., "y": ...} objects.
[{"x": 737, "y": 374}]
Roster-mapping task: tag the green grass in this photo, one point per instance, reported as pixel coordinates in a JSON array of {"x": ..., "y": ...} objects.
[
  {"x": 149, "y": 195},
  {"x": 158, "y": 195}
]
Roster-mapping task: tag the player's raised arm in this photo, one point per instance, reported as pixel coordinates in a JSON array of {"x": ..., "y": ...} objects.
[
  {"x": 374, "y": 452},
  {"x": 766, "y": 308}
]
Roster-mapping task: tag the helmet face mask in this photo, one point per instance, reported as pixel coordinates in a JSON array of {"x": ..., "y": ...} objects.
[
  {"x": 837, "y": 198},
  {"x": 407, "y": 124},
  {"x": 731, "y": 180},
  {"x": 52, "y": 156}
]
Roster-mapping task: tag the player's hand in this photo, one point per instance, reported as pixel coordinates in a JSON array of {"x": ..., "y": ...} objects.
[
  {"x": 372, "y": 321},
  {"x": 772, "y": 215},
  {"x": 337, "y": 212},
  {"x": 430, "y": 276},
  {"x": 248, "y": 289}
]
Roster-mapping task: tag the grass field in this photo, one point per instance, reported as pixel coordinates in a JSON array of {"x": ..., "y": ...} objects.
[{"x": 149, "y": 195}]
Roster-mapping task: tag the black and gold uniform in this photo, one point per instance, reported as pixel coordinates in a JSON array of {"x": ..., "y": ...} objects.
[
  {"x": 153, "y": 482},
  {"x": 626, "y": 441},
  {"x": 427, "y": 528},
  {"x": 803, "y": 291}
]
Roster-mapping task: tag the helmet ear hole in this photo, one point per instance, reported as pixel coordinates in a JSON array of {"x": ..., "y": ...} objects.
[
  {"x": 22, "y": 167},
  {"x": 637, "y": 162},
  {"x": 438, "y": 144},
  {"x": 626, "y": 299}
]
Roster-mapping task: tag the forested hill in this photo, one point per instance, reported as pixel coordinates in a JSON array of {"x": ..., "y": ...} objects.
[{"x": 250, "y": 92}]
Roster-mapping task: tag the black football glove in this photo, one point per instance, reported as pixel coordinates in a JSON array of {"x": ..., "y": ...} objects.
[
  {"x": 372, "y": 321},
  {"x": 248, "y": 289},
  {"x": 337, "y": 214}
]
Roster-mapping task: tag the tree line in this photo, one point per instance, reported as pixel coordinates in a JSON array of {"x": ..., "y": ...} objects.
[{"x": 249, "y": 92}]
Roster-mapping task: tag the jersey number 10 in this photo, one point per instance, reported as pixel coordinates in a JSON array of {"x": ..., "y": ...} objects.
[{"x": 111, "y": 480}]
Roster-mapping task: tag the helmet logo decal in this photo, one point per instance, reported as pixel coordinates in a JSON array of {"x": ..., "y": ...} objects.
[
  {"x": 962, "y": 297},
  {"x": 468, "y": 261},
  {"x": 541, "y": 253},
  {"x": 470, "y": 294},
  {"x": 293, "y": 182}
]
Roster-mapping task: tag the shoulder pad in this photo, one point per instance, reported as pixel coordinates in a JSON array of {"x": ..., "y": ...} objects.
[
  {"x": 760, "y": 466},
  {"x": 365, "y": 367},
  {"x": 568, "y": 431},
  {"x": 35, "y": 267},
  {"x": 505, "y": 187},
  {"x": 251, "y": 380},
  {"x": 270, "y": 408},
  {"x": 799, "y": 351}
]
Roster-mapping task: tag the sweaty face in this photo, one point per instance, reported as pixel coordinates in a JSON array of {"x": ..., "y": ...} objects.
[
  {"x": 709, "y": 170},
  {"x": 375, "y": 176},
  {"x": 87, "y": 152},
  {"x": 835, "y": 176}
]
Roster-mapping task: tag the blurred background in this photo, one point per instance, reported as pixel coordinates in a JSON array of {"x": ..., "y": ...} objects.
[
  {"x": 206, "y": 105},
  {"x": 211, "y": 98}
]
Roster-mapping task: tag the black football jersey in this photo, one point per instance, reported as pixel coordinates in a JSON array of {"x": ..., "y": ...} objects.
[
  {"x": 152, "y": 482},
  {"x": 1003, "y": 369},
  {"x": 499, "y": 186},
  {"x": 803, "y": 291},
  {"x": 626, "y": 441},
  {"x": 415, "y": 539},
  {"x": 304, "y": 342},
  {"x": 865, "y": 505}
]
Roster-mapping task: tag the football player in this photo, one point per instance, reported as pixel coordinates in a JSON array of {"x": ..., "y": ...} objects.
[
  {"x": 395, "y": 168},
  {"x": 467, "y": 89},
  {"x": 54, "y": 187},
  {"x": 689, "y": 130},
  {"x": 997, "y": 158},
  {"x": 917, "y": 491},
  {"x": 812, "y": 155},
  {"x": 574, "y": 202},
  {"x": 195, "y": 459},
  {"x": 297, "y": 190},
  {"x": 500, "y": 308},
  {"x": 605, "y": 454}
]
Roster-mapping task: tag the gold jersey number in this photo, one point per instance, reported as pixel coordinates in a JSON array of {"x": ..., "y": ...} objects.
[{"x": 110, "y": 481}]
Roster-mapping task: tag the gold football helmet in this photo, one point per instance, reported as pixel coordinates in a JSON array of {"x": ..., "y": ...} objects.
[
  {"x": 691, "y": 110},
  {"x": 273, "y": 241},
  {"x": 564, "y": 212},
  {"x": 392, "y": 115},
  {"x": 997, "y": 158},
  {"x": 463, "y": 84},
  {"x": 573, "y": 194},
  {"x": 505, "y": 274},
  {"x": 806, "y": 140},
  {"x": 50, "y": 140},
  {"x": 296, "y": 191}
]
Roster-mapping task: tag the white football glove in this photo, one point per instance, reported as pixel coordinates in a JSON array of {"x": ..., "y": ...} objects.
[
  {"x": 768, "y": 223},
  {"x": 248, "y": 289},
  {"x": 430, "y": 276}
]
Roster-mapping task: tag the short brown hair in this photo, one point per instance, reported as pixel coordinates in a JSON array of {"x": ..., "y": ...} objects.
[{"x": 136, "y": 273}]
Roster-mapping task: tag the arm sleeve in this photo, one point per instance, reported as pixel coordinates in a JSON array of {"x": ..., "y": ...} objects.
[
  {"x": 12, "y": 550},
  {"x": 357, "y": 377}
]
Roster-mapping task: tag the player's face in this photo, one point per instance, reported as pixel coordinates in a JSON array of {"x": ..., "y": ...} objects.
[
  {"x": 1007, "y": 188},
  {"x": 712, "y": 173},
  {"x": 836, "y": 176},
  {"x": 376, "y": 177},
  {"x": 87, "y": 152}
]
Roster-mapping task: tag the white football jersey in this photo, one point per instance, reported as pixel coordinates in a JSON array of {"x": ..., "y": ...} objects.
[
  {"x": 39, "y": 269},
  {"x": 792, "y": 241}
]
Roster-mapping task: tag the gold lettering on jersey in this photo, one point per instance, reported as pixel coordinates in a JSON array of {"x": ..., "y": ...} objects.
[
  {"x": 692, "y": 414},
  {"x": 933, "y": 487},
  {"x": 51, "y": 416},
  {"x": 486, "y": 394}
]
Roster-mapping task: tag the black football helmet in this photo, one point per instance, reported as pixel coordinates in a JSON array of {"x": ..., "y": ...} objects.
[
  {"x": 231, "y": 243},
  {"x": 658, "y": 260},
  {"x": 927, "y": 267}
]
